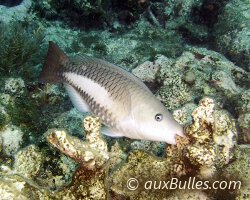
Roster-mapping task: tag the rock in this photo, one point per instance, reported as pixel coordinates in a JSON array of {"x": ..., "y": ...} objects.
[
  {"x": 231, "y": 33},
  {"x": 15, "y": 87},
  {"x": 28, "y": 162},
  {"x": 224, "y": 83},
  {"x": 183, "y": 114},
  {"x": 189, "y": 195},
  {"x": 213, "y": 135},
  {"x": 71, "y": 121},
  {"x": 189, "y": 77},
  {"x": 156, "y": 148},
  {"x": 146, "y": 71},
  {"x": 238, "y": 171},
  {"x": 18, "y": 12},
  {"x": 243, "y": 123},
  {"x": 12, "y": 137},
  {"x": 91, "y": 153}
]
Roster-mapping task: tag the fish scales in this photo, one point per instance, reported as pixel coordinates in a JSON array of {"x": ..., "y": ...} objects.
[
  {"x": 121, "y": 100},
  {"x": 92, "y": 72}
]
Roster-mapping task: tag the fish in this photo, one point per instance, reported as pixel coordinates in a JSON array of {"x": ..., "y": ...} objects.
[{"x": 124, "y": 104}]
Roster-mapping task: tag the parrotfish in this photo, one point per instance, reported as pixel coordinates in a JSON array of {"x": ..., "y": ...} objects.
[{"x": 122, "y": 101}]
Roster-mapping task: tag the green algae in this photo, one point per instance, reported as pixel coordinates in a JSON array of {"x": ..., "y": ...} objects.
[{"x": 19, "y": 50}]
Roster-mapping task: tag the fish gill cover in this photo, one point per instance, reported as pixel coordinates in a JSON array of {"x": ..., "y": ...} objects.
[{"x": 194, "y": 57}]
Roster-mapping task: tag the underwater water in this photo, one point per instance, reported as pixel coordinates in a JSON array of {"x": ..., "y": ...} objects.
[{"x": 193, "y": 57}]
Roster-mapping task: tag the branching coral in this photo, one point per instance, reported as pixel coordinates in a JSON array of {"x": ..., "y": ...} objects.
[
  {"x": 212, "y": 134},
  {"x": 91, "y": 154},
  {"x": 88, "y": 180}
]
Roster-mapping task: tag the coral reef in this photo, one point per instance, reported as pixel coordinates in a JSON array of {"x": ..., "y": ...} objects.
[
  {"x": 91, "y": 154},
  {"x": 209, "y": 146},
  {"x": 156, "y": 148},
  {"x": 165, "y": 44},
  {"x": 28, "y": 162},
  {"x": 14, "y": 187},
  {"x": 10, "y": 11},
  {"x": 213, "y": 129},
  {"x": 12, "y": 137},
  {"x": 239, "y": 170},
  {"x": 231, "y": 33},
  {"x": 15, "y": 86},
  {"x": 3, "y": 117},
  {"x": 189, "y": 195},
  {"x": 93, "y": 13},
  {"x": 71, "y": 121},
  {"x": 146, "y": 71},
  {"x": 183, "y": 114},
  {"x": 243, "y": 123}
]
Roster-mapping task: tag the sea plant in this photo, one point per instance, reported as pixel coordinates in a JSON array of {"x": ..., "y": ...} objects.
[{"x": 19, "y": 49}]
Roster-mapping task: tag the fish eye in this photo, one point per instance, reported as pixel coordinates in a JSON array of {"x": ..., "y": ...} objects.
[{"x": 158, "y": 117}]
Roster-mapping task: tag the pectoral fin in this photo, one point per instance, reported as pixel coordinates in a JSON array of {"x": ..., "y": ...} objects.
[
  {"x": 109, "y": 132},
  {"x": 76, "y": 99}
]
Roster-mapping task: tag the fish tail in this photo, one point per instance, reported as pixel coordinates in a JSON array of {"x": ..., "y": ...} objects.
[{"x": 54, "y": 61}]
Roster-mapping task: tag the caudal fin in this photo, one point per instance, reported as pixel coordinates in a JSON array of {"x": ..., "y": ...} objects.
[{"x": 55, "y": 59}]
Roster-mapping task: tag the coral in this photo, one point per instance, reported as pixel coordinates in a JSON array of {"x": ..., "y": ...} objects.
[
  {"x": 14, "y": 86},
  {"x": 91, "y": 154},
  {"x": 239, "y": 171},
  {"x": 13, "y": 187},
  {"x": 156, "y": 148},
  {"x": 57, "y": 33},
  {"x": 231, "y": 33},
  {"x": 86, "y": 184},
  {"x": 143, "y": 167},
  {"x": 243, "y": 105},
  {"x": 99, "y": 13},
  {"x": 224, "y": 83},
  {"x": 211, "y": 75},
  {"x": 28, "y": 162},
  {"x": 75, "y": 11},
  {"x": 212, "y": 134},
  {"x": 189, "y": 77},
  {"x": 12, "y": 139},
  {"x": 117, "y": 156},
  {"x": 71, "y": 121},
  {"x": 146, "y": 71},
  {"x": 3, "y": 117},
  {"x": 209, "y": 146},
  {"x": 15, "y": 10},
  {"x": 23, "y": 112},
  {"x": 6, "y": 99},
  {"x": 243, "y": 123},
  {"x": 88, "y": 180},
  {"x": 183, "y": 114},
  {"x": 175, "y": 94},
  {"x": 189, "y": 195}
]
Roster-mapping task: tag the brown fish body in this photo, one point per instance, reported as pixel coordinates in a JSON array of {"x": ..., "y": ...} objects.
[{"x": 123, "y": 103}]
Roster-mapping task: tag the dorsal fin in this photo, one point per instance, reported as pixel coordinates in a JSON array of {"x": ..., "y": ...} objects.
[{"x": 55, "y": 59}]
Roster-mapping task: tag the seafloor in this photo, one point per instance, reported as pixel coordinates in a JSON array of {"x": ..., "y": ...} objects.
[{"x": 193, "y": 55}]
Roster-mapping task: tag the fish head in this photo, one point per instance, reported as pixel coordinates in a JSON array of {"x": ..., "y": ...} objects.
[{"x": 154, "y": 122}]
